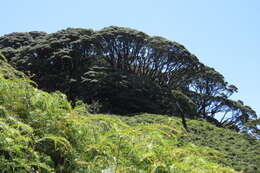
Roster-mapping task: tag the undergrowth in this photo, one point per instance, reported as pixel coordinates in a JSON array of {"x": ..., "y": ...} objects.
[
  {"x": 41, "y": 132},
  {"x": 238, "y": 151}
]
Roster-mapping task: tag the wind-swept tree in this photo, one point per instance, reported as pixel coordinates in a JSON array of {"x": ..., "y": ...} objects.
[
  {"x": 11, "y": 43},
  {"x": 154, "y": 58},
  {"x": 209, "y": 90},
  {"x": 128, "y": 72}
]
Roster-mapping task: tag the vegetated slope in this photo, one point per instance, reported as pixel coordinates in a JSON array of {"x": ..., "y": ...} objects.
[
  {"x": 41, "y": 132},
  {"x": 242, "y": 151},
  {"x": 239, "y": 151},
  {"x": 127, "y": 72},
  {"x": 7, "y": 71},
  {"x": 118, "y": 70}
]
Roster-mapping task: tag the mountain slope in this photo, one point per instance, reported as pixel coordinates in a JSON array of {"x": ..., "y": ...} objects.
[
  {"x": 127, "y": 72},
  {"x": 41, "y": 132}
]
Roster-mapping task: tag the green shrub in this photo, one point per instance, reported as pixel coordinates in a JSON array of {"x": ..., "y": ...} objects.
[{"x": 41, "y": 132}]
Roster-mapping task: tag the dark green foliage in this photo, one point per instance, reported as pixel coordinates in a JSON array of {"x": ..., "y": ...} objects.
[
  {"x": 211, "y": 93},
  {"x": 17, "y": 40},
  {"x": 121, "y": 71},
  {"x": 57, "y": 61},
  {"x": 10, "y": 44},
  {"x": 115, "y": 89},
  {"x": 126, "y": 71},
  {"x": 153, "y": 58}
]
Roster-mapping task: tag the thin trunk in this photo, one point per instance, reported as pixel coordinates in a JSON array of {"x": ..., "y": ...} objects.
[{"x": 184, "y": 123}]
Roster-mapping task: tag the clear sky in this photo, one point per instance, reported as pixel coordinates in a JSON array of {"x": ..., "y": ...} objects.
[{"x": 224, "y": 34}]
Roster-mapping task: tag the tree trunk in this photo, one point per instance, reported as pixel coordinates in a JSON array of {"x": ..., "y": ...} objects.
[{"x": 184, "y": 122}]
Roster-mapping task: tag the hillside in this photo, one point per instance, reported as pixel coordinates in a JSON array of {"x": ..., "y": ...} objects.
[
  {"x": 40, "y": 132},
  {"x": 118, "y": 100},
  {"x": 126, "y": 72},
  {"x": 240, "y": 152}
]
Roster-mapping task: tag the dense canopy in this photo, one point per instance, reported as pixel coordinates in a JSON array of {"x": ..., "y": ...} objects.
[{"x": 125, "y": 71}]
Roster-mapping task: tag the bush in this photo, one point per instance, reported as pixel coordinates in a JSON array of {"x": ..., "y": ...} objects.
[{"x": 41, "y": 132}]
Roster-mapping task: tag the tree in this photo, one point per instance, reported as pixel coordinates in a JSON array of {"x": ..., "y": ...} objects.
[
  {"x": 154, "y": 58},
  {"x": 253, "y": 126},
  {"x": 10, "y": 43},
  {"x": 211, "y": 93},
  {"x": 127, "y": 71}
]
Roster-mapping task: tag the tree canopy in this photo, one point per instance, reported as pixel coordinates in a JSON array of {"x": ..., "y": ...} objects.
[{"x": 126, "y": 71}]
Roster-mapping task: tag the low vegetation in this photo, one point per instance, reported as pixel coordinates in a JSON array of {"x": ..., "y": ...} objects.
[
  {"x": 239, "y": 151},
  {"x": 118, "y": 100},
  {"x": 40, "y": 132}
]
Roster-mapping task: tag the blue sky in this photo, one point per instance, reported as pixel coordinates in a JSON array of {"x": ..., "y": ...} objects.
[{"x": 224, "y": 34}]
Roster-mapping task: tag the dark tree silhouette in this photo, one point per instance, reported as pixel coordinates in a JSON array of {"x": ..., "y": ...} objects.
[{"x": 127, "y": 72}]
